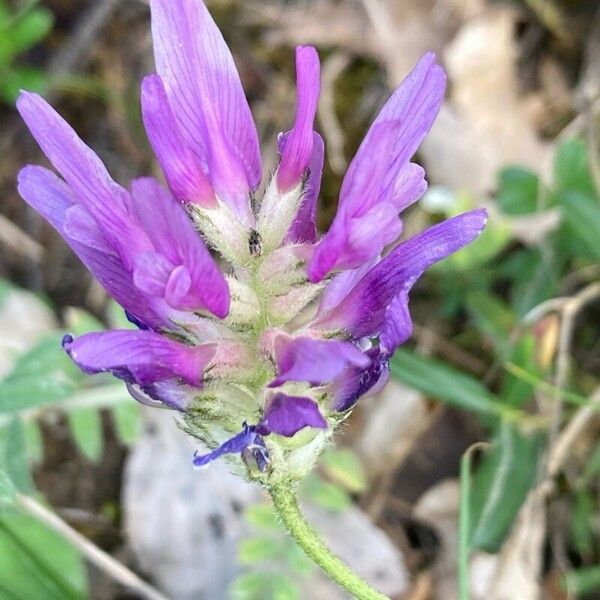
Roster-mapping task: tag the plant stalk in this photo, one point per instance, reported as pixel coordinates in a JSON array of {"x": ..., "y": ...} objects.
[{"x": 286, "y": 505}]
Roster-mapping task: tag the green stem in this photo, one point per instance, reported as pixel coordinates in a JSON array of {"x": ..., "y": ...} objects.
[{"x": 284, "y": 500}]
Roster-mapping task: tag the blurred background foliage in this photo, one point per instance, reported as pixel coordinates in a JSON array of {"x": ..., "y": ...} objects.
[{"x": 479, "y": 465}]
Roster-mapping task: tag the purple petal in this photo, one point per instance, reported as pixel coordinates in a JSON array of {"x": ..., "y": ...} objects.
[
  {"x": 89, "y": 180},
  {"x": 182, "y": 169},
  {"x": 54, "y": 200},
  {"x": 304, "y": 229},
  {"x": 151, "y": 273},
  {"x": 207, "y": 98},
  {"x": 361, "y": 313},
  {"x": 297, "y": 150},
  {"x": 410, "y": 185},
  {"x": 362, "y": 226},
  {"x": 353, "y": 383},
  {"x": 141, "y": 357},
  {"x": 339, "y": 287},
  {"x": 312, "y": 360},
  {"x": 200, "y": 283},
  {"x": 247, "y": 441},
  {"x": 379, "y": 172},
  {"x": 169, "y": 393},
  {"x": 397, "y": 325},
  {"x": 286, "y": 415},
  {"x": 415, "y": 104}
]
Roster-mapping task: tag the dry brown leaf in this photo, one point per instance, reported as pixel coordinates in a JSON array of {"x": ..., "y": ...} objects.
[{"x": 486, "y": 124}]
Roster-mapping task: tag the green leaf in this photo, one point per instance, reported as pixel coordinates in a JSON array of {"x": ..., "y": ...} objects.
[
  {"x": 250, "y": 586},
  {"x": 43, "y": 375},
  {"x": 464, "y": 524},
  {"x": 572, "y": 168},
  {"x": 581, "y": 223},
  {"x": 33, "y": 391},
  {"x": 7, "y": 491},
  {"x": 325, "y": 494},
  {"x": 28, "y": 30},
  {"x": 515, "y": 391},
  {"x": 13, "y": 455},
  {"x": 282, "y": 588},
  {"x": 344, "y": 467},
  {"x": 501, "y": 484},
  {"x": 127, "y": 419},
  {"x": 262, "y": 516},
  {"x": 581, "y": 524},
  {"x": 37, "y": 563},
  {"x": 86, "y": 428},
  {"x": 34, "y": 443},
  {"x": 534, "y": 279},
  {"x": 22, "y": 77},
  {"x": 45, "y": 358},
  {"x": 592, "y": 467},
  {"x": 518, "y": 190},
  {"x": 443, "y": 382},
  {"x": 582, "y": 581},
  {"x": 257, "y": 549},
  {"x": 492, "y": 315}
]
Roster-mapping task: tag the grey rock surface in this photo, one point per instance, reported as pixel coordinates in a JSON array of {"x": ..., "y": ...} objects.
[{"x": 183, "y": 525}]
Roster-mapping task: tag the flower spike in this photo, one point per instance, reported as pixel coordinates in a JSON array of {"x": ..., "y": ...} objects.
[{"x": 258, "y": 334}]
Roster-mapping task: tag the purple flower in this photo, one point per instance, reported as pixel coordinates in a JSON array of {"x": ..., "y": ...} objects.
[{"x": 234, "y": 345}]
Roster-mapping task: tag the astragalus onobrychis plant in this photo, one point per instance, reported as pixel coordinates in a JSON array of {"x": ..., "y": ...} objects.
[{"x": 260, "y": 333}]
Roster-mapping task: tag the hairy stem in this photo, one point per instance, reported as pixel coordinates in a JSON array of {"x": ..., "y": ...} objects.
[{"x": 284, "y": 500}]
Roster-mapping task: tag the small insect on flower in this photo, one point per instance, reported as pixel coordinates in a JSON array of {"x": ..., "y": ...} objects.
[{"x": 265, "y": 342}]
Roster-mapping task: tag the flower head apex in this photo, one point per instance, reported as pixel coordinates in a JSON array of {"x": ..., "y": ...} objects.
[{"x": 266, "y": 341}]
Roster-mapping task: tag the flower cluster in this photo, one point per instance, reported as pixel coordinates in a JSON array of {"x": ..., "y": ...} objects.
[{"x": 266, "y": 348}]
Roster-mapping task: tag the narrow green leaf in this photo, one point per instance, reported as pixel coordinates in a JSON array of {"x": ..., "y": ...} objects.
[
  {"x": 443, "y": 383},
  {"x": 592, "y": 467},
  {"x": 13, "y": 455},
  {"x": 86, "y": 428},
  {"x": 582, "y": 581},
  {"x": 37, "y": 563},
  {"x": 582, "y": 524},
  {"x": 464, "y": 524},
  {"x": 501, "y": 484},
  {"x": 515, "y": 392},
  {"x": 539, "y": 383}
]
